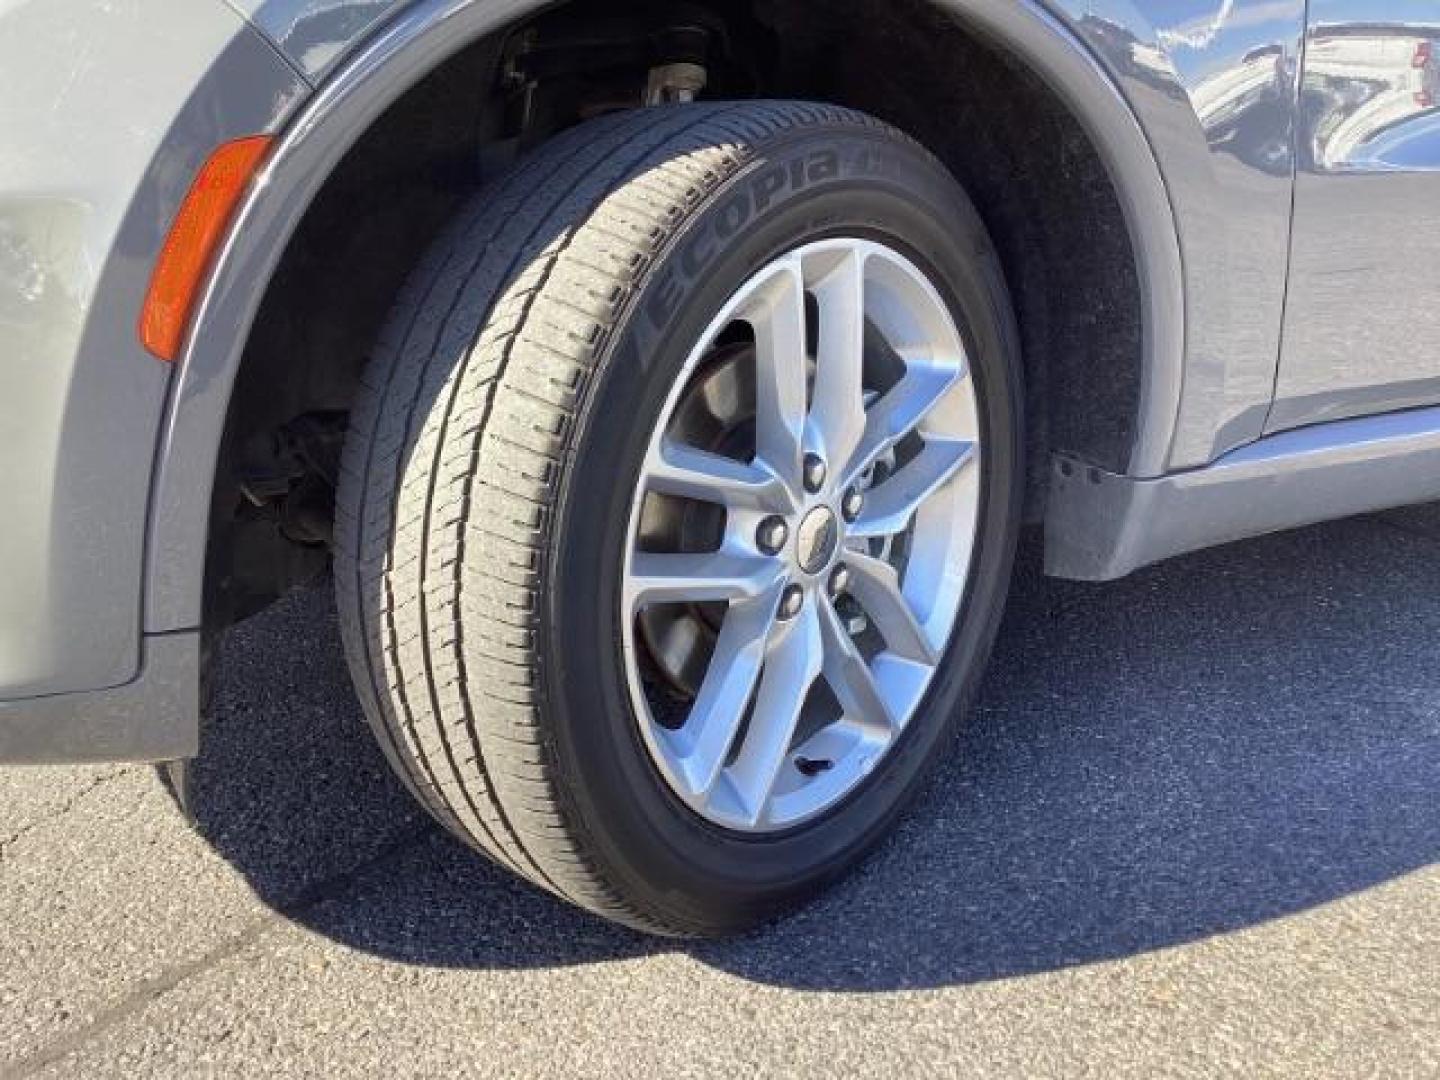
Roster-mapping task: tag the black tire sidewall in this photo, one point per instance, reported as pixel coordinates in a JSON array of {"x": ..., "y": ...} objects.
[{"x": 808, "y": 186}]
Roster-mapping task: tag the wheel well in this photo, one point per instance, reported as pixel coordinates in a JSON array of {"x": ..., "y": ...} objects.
[{"x": 1024, "y": 159}]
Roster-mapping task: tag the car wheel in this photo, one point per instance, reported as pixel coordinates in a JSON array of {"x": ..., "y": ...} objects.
[{"x": 679, "y": 504}]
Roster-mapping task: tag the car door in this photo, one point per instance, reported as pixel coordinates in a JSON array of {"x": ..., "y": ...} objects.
[
  {"x": 1362, "y": 317},
  {"x": 1362, "y": 320}
]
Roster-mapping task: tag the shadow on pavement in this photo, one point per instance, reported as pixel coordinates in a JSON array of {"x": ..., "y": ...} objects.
[{"x": 1219, "y": 741}]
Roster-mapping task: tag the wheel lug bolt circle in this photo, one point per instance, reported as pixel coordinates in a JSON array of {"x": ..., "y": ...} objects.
[
  {"x": 791, "y": 601},
  {"x": 852, "y": 504},
  {"x": 772, "y": 534},
  {"x": 814, "y": 473},
  {"x": 840, "y": 580}
]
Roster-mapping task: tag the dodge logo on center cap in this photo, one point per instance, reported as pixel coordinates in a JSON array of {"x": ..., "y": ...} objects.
[{"x": 815, "y": 543}]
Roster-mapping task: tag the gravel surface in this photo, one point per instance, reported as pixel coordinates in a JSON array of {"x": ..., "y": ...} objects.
[{"x": 1192, "y": 830}]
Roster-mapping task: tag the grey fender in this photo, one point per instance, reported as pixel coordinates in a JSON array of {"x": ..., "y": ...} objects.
[
  {"x": 315, "y": 35},
  {"x": 403, "y": 50},
  {"x": 1052, "y": 46},
  {"x": 1215, "y": 86},
  {"x": 106, "y": 112}
]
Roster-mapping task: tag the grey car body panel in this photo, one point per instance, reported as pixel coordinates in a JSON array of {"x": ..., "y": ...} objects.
[
  {"x": 315, "y": 34},
  {"x": 88, "y": 185},
  {"x": 1046, "y": 38},
  {"x": 1102, "y": 526},
  {"x": 1367, "y": 216},
  {"x": 1213, "y": 84},
  {"x": 1190, "y": 103},
  {"x": 153, "y": 717}
]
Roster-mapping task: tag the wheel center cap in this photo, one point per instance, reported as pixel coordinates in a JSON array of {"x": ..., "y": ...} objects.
[{"x": 817, "y": 539}]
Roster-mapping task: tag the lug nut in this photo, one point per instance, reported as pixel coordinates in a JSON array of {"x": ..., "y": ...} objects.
[
  {"x": 771, "y": 535},
  {"x": 840, "y": 580},
  {"x": 814, "y": 473},
  {"x": 852, "y": 504},
  {"x": 792, "y": 602}
]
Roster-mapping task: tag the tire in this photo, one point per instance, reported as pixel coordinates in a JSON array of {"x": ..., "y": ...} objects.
[{"x": 488, "y": 483}]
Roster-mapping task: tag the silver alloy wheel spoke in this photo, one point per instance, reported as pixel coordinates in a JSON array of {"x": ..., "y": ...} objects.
[
  {"x": 696, "y": 578},
  {"x": 777, "y": 315},
  {"x": 719, "y": 710},
  {"x": 850, "y": 679},
  {"x": 763, "y": 611},
  {"x": 690, "y": 473},
  {"x": 876, "y": 585},
  {"x": 899, "y": 413},
  {"x": 837, "y": 413},
  {"x": 890, "y": 508},
  {"x": 793, "y": 661}
]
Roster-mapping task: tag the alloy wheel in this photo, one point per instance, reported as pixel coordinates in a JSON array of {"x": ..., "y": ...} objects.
[{"x": 801, "y": 535}]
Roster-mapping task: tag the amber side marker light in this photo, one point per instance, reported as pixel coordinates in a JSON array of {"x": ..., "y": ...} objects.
[{"x": 199, "y": 225}]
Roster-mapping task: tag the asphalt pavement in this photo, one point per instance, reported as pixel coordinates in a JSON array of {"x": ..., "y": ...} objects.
[{"x": 1192, "y": 829}]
